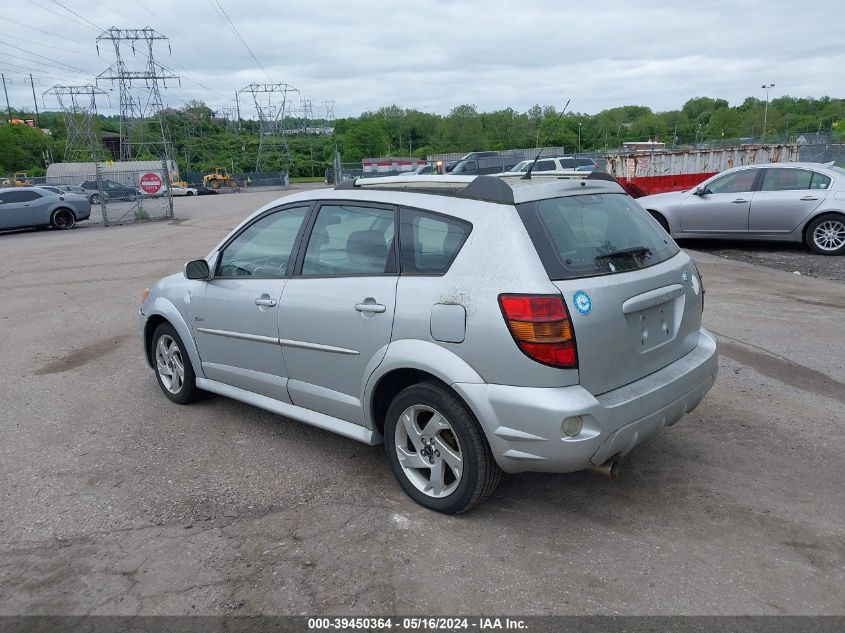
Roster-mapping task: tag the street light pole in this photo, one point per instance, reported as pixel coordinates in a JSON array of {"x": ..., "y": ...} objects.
[
  {"x": 579, "y": 138},
  {"x": 766, "y": 87}
]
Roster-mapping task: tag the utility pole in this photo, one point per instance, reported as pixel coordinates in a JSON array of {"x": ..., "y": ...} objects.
[
  {"x": 8, "y": 107},
  {"x": 238, "y": 108},
  {"x": 766, "y": 87},
  {"x": 307, "y": 108},
  {"x": 35, "y": 101},
  {"x": 143, "y": 129},
  {"x": 579, "y": 138}
]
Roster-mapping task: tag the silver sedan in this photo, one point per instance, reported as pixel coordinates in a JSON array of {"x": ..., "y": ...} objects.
[
  {"x": 795, "y": 202},
  {"x": 24, "y": 207}
]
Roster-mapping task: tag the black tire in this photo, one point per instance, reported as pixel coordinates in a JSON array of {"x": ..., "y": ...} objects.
[
  {"x": 132, "y": 197},
  {"x": 190, "y": 193},
  {"x": 188, "y": 392},
  {"x": 480, "y": 473},
  {"x": 660, "y": 220},
  {"x": 214, "y": 184},
  {"x": 836, "y": 225},
  {"x": 62, "y": 219},
  {"x": 95, "y": 198}
]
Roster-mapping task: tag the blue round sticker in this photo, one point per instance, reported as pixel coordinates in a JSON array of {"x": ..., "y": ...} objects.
[{"x": 582, "y": 302}]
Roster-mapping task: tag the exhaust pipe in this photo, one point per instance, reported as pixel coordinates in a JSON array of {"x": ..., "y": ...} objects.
[{"x": 609, "y": 469}]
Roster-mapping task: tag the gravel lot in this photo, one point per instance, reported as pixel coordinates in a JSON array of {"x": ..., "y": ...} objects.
[
  {"x": 116, "y": 501},
  {"x": 786, "y": 256}
]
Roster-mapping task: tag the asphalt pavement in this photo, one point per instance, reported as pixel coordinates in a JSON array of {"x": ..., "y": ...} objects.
[{"x": 117, "y": 501}]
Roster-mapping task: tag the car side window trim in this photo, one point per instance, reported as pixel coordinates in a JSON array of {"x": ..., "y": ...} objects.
[
  {"x": 297, "y": 243},
  {"x": 311, "y": 220},
  {"x": 446, "y": 218}
]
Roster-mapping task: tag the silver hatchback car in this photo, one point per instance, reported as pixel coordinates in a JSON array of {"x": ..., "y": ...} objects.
[
  {"x": 475, "y": 325},
  {"x": 793, "y": 202}
]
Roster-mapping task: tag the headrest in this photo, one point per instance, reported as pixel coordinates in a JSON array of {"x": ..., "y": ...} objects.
[{"x": 368, "y": 249}]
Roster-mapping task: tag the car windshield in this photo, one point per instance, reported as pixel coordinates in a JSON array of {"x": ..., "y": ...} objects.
[{"x": 594, "y": 234}]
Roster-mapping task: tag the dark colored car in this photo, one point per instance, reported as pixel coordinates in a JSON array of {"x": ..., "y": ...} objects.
[
  {"x": 202, "y": 190},
  {"x": 113, "y": 190}
]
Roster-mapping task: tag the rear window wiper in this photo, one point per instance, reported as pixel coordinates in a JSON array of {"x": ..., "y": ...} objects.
[{"x": 633, "y": 250}]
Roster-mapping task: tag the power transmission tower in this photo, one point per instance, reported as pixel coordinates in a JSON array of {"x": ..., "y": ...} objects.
[
  {"x": 271, "y": 105},
  {"x": 143, "y": 129},
  {"x": 306, "y": 107},
  {"x": 79, "y": 109},
  {"x": 228, "y": 115},
  {"x": 194, "y": 147},
  {"x": 328, "y": 111}
]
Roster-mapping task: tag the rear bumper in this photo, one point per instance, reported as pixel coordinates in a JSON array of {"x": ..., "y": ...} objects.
[{"x": 523, "y": 424}]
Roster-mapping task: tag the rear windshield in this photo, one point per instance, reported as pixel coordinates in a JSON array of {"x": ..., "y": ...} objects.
[{"x": 594, "y": 234}]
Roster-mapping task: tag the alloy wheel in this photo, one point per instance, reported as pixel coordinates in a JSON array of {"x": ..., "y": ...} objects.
[
  {"x": 63, "y": 219},
  {"x": 428, "y": 451},
  {"x": 830, "y": 235},
  {"x": 169, "y": 364}
]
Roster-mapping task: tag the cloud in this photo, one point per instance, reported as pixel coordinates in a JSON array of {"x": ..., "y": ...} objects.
[{"x": 435, "y": 55}]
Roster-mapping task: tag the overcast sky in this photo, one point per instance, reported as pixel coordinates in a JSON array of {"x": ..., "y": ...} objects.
[{"x": 436, "y": 55}]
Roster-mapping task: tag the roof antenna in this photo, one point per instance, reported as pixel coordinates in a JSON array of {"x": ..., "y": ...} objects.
[{"x": 527, "y": 175}]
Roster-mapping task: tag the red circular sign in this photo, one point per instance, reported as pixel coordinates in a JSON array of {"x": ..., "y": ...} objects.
[{"x": 150, "y": 183}]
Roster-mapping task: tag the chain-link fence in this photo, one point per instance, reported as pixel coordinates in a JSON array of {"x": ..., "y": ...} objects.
[
  {"x": 827, "y": 153},
  {"x": 248, "y": 179},
  {"x": 122, "y": 197}
]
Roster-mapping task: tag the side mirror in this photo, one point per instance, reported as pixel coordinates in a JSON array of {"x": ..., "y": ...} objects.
[
  {"x": 701, "y": 191},
  {"x": 197, "y": 269}
]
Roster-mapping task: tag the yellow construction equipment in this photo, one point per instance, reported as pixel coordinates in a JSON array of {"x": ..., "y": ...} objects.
[
  {"x": 20, "y": 179},
  {"x": 219, "y": 177}
]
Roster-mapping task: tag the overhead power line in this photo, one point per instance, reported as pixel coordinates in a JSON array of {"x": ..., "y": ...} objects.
[
  {"x": 52, "y": 35},
  {"x": 17, "y": 68},
  {"x": 76, "y": 14},
  {"x": 49, "y": 59},
  {"x": 54, "y": 12},
  {"x": 58, "y": 48},
  {"x": 237, "y": 33}
]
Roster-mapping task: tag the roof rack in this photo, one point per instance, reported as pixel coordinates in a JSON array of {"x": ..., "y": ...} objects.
[{"x": 497, "y": 189}]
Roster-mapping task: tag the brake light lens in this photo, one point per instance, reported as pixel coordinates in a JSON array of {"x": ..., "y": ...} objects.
[{"x": 541, "y": 327}]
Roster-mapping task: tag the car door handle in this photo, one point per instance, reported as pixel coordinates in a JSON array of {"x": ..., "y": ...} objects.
[
  {"x": 740, "y": 201},
  {"x": 268, "y": 303},
  {"x": 808, "y": 198},
  {"x": 370, "y": 307}
]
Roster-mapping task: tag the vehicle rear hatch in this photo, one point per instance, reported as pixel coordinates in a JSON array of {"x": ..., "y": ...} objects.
[{"x": 634, "y": 298}]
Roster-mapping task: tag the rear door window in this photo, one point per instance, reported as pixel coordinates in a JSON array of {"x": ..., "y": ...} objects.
[
  {"x": 351, "y": 240},
  {"x": 544, "y": 165},
  {"x": 597, "y": 234},
  {"x": 786, "y": 179},
  {"x": 429, "y": 241}
]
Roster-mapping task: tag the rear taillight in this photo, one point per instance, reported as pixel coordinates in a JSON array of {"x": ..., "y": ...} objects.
[{"x": 541, "y": 327}]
